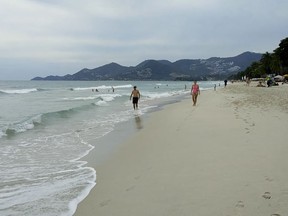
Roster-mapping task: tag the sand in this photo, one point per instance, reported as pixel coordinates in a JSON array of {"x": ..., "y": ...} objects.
[{"x": 227, "y": 156}]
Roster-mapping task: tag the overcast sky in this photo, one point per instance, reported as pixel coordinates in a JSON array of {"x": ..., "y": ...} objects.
[{"x": 58, "y": 37}]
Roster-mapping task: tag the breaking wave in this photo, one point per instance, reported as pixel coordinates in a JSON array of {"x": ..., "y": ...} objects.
[
  {"x": 20, "y": 127},
  {"x": 19, "y": 91},
  {"x": 41, "y": 119},
  {"x": 102, "y": 87},
  {"x": 104, "y": 97}
]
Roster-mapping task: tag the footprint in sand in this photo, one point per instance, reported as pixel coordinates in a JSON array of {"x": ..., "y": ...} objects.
[
  {"x": 267, "y": 195},
  {"x": 137, "y": 177},
  {"x": 239, "y": 208},
  {"x": 240, "y": 204},
  {"x": 130, "y": 188},
  {"x": 275, "y": 215},
  {"x": 269, "y": 179},
  {"x": 104, "y": 203}
]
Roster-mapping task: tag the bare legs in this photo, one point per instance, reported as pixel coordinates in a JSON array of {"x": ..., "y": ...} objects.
[
  {"x": 135, "y": 106},
  {"x": 194, "y": 99}
]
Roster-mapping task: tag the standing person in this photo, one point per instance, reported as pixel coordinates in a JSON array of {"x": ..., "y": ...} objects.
[
  {"x": 195, "y": 90},
  {"x": 136, "y": 96},
  {"x": 225, "y": 83}
]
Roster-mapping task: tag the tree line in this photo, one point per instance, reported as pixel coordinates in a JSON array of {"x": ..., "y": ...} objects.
[{"x": 270, "y": 63}]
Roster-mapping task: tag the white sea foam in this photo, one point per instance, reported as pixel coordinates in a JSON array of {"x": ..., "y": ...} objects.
[
  {"x": 122, "y": 86},
  {"x": 24, "y": 125},
  {"x": 2, "y": 134},
  {"x": 31, "y": 187},
  {"x": 155, "y": 95},
  {"x": 73, "y": 203},
  {"x": 101, "y": 103},
  {"x": 81, "y": 98},
  {"x": 109, "y": 97},
  {"x": 18, "y": 91},
  {"x": 102, "y": 87}
]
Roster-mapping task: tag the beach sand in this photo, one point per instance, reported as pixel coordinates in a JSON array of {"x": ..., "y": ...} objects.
[{"x": 227, "y": 156}]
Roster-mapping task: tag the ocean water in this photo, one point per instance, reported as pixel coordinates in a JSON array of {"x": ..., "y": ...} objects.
[{"x": 46, "y": 127}]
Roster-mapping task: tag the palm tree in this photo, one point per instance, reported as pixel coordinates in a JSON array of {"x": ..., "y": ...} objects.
[
  {"x": 282, "y": 53},
  {"x": 266, "y": 62},
  {"x": 275, "y": 64}
]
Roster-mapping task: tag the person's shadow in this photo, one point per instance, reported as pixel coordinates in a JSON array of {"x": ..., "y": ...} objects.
[{"x": 138, "y": 122}]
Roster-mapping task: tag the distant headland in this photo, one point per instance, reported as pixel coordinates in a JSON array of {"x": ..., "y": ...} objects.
[{"x": 214, "y": 68}]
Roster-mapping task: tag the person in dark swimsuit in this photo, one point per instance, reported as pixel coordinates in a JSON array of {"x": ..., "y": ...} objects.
[{"x": 136, "y": 96}]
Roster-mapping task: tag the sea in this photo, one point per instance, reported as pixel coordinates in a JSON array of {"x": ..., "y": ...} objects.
[{"x": 48, "y": 127}]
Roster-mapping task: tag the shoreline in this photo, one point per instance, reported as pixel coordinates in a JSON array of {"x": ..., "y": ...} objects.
[
  {"x": 104, "y": 147},
  {"x": 212, "y": 159}
]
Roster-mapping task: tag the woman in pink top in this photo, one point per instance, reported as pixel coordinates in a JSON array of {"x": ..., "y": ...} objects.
[{"x": 195, "y": 90}]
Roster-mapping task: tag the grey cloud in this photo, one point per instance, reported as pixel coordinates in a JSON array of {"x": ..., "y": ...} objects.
[{"x": 66, "y": 35}]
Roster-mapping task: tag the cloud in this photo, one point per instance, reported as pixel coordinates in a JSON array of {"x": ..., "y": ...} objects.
[{"x": 89, "y": 33}]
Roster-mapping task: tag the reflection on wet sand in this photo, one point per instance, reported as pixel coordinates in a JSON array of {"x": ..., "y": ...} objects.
[{"x": 138, "y": 122}]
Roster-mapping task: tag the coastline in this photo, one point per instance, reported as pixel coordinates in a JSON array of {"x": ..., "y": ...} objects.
[{"x": 226, "y": 156}]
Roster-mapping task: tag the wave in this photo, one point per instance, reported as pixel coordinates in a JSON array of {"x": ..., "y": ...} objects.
[
  {"x": 102, "y": 97},
  {"x": 2, "y": 134},
  {"x": 19, "y": 91},
  {"x": 44, "y": 118},
  {"x": 123, "y": 86},
  {"x": 156, "y": 95},
  {"x": 20, "y": 127},
  {"x": 101, "y": 103},
  {"x": 41, "y": 89},
  {"x": 109, "y": 97},
  {"x": 40, "y": 119},
  {"x": 81, "y": 98},
  {"x": 102, "y": 87}
]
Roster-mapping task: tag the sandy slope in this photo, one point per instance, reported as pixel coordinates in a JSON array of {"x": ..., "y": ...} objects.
[{"x": 226, "y": 156}]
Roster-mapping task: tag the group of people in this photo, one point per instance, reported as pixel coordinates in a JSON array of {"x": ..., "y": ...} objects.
[
  {"x": 96, "y": 90},
  {"x": 135, "y": 95}
]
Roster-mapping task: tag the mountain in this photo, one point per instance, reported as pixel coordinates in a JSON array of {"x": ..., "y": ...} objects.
[{"x": 185, "y": 69}]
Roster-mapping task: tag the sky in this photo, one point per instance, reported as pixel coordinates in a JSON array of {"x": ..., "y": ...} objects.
[{"x": 59, "y": 37}]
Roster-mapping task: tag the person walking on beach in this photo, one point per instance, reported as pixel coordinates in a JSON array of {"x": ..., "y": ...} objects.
[
  {"x": 136, "y": 96},
  {"x": 195, "y": 91}
]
